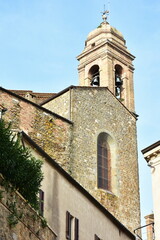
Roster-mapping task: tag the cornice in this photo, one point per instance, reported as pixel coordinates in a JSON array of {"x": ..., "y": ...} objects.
[
  {"x": 152, "y": 156},
  {"x": 84, "y": 53},
  {"x": 105, "y": 53},
  {"x": 120, "y": 50},
  {"x": 151, "y": 147}
]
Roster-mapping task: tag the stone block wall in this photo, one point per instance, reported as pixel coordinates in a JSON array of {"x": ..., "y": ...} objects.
[
  {"x": 92, "y": 111},
  {"x": 50, "y": 131},
  {"x": 18, "y": 221},
  {"x": 96, "y": 110},
  {"x": 61, "y": 104}
]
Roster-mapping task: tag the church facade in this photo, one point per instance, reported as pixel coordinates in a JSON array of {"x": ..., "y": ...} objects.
[
  {"x": 104, "y": 123},
  {"x": 90, "y": 129}
]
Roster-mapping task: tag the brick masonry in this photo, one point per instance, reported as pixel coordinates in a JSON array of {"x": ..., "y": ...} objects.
[{"x": 51, "y": 132}]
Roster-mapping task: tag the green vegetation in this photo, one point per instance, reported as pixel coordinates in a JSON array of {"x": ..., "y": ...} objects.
[
  {"x": 18, "y": 166},
  {"x": 14, "y": 216},
  {"x": 43, "y": 222}
]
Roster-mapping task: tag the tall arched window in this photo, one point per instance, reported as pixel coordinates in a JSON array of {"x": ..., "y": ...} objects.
[{"x": 103, "y": 162}]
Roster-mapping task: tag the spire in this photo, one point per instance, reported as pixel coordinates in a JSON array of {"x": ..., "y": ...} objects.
[{"x": 105, "y": 13}]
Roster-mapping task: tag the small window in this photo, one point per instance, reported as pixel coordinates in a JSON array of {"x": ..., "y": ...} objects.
[
  {"x": 68, "y": 225},
  {"x": 93, "y": 44},
  {"x": 103, "y": 159},
  {"x": 72, "y": 224}
]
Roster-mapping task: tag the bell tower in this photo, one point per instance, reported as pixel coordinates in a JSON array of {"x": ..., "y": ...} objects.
[
  {"x": 106, "y": 62},
  {"x": 103, "y": 149}
]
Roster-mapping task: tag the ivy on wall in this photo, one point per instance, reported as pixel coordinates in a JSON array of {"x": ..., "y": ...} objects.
[{"x": 18, "y": 166}]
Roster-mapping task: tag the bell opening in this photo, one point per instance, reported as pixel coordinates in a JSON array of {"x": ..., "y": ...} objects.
[{"x": 94, "y": 76}]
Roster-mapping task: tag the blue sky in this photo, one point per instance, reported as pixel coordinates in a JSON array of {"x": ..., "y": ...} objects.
[{"x": 40, "y": 39}]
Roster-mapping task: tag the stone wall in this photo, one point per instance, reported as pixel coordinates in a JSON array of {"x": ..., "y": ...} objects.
[
  {"x": 62, "y": 104},
  {"x": 96, "y": 110},
  {"x": 18, "y": 221},
  {"x": 92, "y": 111},
  {"x": 50, "y": 131}
]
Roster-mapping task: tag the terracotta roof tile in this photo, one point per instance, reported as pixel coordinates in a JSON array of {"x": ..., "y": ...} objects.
[{"x": 33, "y": 96}]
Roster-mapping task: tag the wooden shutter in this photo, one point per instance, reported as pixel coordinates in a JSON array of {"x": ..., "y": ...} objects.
[
  {"x": 76, "y": 232},
  {"x": 96, "y": 237},
  {"x": 68, "y": 225}
]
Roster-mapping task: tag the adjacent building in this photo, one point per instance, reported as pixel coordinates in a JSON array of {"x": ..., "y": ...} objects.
[{"x": 152, "y": 156}]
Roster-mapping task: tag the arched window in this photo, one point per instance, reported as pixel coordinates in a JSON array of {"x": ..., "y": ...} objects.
[
  {"x": 118, "y": 81},
  {"x": 94, "y": 76},
  {"x": 104, "y": 162}
]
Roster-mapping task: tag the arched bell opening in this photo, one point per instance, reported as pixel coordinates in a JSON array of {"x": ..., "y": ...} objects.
[
  {"x": 118, "y": 81},
  {"x": 94, "y": 76}
]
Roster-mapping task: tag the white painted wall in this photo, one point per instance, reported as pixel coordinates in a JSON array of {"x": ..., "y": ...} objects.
[
  {"x": 156, "y": 194},
  {"x": 153, "y": 158},
  {"x": 62, "y": 196}
]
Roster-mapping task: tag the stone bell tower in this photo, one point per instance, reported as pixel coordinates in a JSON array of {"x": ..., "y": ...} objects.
[
  {"x": 106, "y": 62},
  {"x": 103, "y": 149},
  {"x": 104, "y": 133}
]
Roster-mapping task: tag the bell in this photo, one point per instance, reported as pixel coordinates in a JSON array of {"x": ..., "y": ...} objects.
[
  {"x": 119, "y": 81},
  {"x": 118, "y": 92},
  {"x": 95, "y": 81}
]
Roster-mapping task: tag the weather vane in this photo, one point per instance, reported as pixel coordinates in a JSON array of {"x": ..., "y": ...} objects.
[{"x": 105, "y": 13}]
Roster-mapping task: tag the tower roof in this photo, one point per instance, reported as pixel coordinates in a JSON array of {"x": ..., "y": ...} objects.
[
  {"x": 106, "y": 28},
  {"x": 105, "y": 32}
]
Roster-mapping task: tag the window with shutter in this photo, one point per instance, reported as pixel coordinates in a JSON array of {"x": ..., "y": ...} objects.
[
  {"x": 72, "y": 227},
  {"x": 76, "y": 229}
]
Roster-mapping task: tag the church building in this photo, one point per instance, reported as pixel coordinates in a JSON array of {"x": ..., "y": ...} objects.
[{"x": 90, "y": 129}]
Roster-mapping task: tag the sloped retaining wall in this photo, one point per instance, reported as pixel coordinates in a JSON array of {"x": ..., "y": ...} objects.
[{"x": 18, "y": 221}]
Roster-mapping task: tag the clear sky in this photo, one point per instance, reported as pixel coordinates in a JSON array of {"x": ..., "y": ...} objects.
[{"x": 40, "y": 39}]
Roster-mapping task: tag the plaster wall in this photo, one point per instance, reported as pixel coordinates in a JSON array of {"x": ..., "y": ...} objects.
[
  {"x": 155, "y": 172},
  {"x": 61, "y": 195}
]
